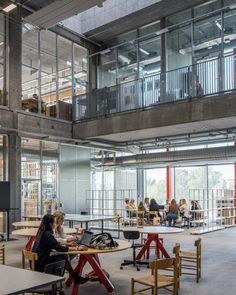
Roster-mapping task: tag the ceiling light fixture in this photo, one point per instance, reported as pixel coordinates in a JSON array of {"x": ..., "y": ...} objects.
[
  {"x": 9, "y": 8},
  {"x": 144, "y": 51},
  {"x": 1, "y": 43},
  {"x": 218, "y": 25}
]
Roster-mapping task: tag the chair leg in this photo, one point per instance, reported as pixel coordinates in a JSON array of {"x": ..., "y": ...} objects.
[
  {"x": 23, "y": 260},
  {"x": 132, "y": 287}
]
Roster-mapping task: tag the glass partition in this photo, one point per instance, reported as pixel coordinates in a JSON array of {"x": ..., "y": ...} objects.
[
  {"x": 48, "y": 71},
  {"x": 80, "y": 68},
  {"x": 30, "y": 68},
  {"x": 107, "y": 69}
]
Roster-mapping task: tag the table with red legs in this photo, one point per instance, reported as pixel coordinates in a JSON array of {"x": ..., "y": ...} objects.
[
  {"x": 153, "y": 233},
  {"x": 31, "y": 232},
  {"x": 91, "y": 256}
]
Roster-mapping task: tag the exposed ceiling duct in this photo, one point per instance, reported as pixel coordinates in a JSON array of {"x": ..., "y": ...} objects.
[
  {"x": 60, "y": 10},
  {"x": 173, "y": 157}
]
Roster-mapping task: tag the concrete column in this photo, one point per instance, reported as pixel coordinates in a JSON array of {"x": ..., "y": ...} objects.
[
  {"x": 140, "y": 184},
  {"x": 14, "y": 174},
  {"x": 92, "y": 97},
  {"x": 13, "y": 59}
]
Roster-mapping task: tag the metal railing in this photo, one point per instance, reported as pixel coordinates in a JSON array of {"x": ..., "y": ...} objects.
[{"x": 201, "y": 79}]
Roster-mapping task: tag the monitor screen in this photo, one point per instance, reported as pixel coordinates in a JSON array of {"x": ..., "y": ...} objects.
[{"x": 4, "y": 195}]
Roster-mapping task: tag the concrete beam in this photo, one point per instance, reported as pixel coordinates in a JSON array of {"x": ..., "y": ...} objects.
[
  {"x": 40, "y": 125},
  {"x": 169, "y": 119}
]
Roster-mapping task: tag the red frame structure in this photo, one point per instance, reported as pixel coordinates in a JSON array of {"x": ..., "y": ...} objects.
[
  {"x": 94, "y": 262},
  {"x": 159, "y": 248}
]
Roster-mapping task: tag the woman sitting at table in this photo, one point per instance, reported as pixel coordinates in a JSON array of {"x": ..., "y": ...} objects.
[
  {"x": 59, "y": 233},
  {"x": 172, "y": 214},
  {"x": 45, "y": 242},
  {"x": 154, "y": 207}
]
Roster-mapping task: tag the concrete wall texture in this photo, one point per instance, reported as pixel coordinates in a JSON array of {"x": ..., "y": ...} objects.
[{"x": 99, "y": 16}]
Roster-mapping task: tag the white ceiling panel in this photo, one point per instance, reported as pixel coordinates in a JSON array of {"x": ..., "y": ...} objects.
[{"x": 59, "y": 11}]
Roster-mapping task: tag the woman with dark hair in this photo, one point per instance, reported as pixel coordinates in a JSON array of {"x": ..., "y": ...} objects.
[
  {"x": 172, "y": 214},
  {"x": 155, "y": 207},
  {"x": 45, "y": 242}
]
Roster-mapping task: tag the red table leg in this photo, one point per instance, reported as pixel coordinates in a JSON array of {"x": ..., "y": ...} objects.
[
  {"x": 78, "y": 269},
  {"x": 158, "y": 249},
  {"x": 93, "y": 260}
]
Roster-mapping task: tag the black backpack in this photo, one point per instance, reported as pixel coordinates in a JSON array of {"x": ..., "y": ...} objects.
[{"x": 103, "y": 241}]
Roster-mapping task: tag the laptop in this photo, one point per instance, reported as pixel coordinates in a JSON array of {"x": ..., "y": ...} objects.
[{"x": 86, "y": 239}]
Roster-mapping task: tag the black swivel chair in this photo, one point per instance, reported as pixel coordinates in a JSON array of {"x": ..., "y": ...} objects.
[
  {"x": 132, "y": 236},
  {"x": 56, "y": 269}
]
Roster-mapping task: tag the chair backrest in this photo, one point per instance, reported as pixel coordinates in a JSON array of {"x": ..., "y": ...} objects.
[
  {"x": 162, "y": 264},
  {"x": 140, "y": 213},
  {"x": 197, "y": 244},
  {"x": 131, "y": 234},
  {"x": 166, "y": 265},
  {"x": 2, "y": 254},
  {"x": 31, "y": 256},
  {"x": 56, "y": 268}
]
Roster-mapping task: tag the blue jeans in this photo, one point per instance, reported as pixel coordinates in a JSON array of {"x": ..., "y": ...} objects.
[{"x": 171, "y": 217}]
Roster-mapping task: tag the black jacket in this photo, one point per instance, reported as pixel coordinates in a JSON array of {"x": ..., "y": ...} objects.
[{"x": 43, "y": 248}]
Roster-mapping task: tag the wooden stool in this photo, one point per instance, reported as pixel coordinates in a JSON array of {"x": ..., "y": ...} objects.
[
  {"x": 31, "y": 257},
  {"x": 192, "y": 261},
  {"x": 2, "y": 254}
]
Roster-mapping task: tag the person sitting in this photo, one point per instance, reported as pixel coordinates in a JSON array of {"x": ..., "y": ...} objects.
[
  {"x": 127, "y": 207},
  {"x": 183, "y": 208},
  {"x": 146, "y": 203},
  {"x": 141, "y": 206},
  {"x": 59, "y": 234},
  {"x": 154, "y": 207},
  {"x": 132, "y": 208},
  {"x": 172, "y": 214},
  {"x": 45, "y": 242}
]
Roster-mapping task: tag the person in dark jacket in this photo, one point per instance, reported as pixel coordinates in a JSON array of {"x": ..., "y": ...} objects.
[
  {"x": 45, "y": 242},
  {"x": 155, "y": 207}
]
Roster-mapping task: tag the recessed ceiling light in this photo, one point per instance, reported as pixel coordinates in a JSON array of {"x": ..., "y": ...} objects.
[
  {"x": 144, "y": 51},
  {"x": 1, "y": 43},
  {"x": 9, "y": 7}
]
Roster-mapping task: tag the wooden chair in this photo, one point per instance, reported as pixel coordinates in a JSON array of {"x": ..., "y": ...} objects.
[
  {"x": 2, "y": 254},
  {"x": 158, "y": 280},
  {"x": 140, "y": 217},
  {"x": 150, "y": 216},
  {"x": 31, "y": 257},
  {"x": 191, "y": 261}
]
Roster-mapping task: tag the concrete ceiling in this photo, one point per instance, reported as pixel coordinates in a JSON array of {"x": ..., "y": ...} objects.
[
  {"x": 165, "y": 131},
  {"x": 57, "y": 11},
  {"x": 139, "y": 18}
]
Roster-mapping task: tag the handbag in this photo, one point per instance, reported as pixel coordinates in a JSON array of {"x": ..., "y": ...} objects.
[{"x": 103, "y": 241}]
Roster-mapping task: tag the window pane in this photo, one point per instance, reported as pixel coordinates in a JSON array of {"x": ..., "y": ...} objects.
[
  {"x": 149, "y": 56},
  {"x": 156, "y": 184},
  {"x": 229, "y": 31},
  {"x": 80, "y": 69},
  {"x": 107, "y": 69},
  {"x": 205, "y": 8},
  {"x": 221, "y": 177},
  {"x": 64, "y": 69},
  {"x": 127, "y": 62},
  {"x": 48, "y": 68},
  {"x": 187, "y": 178},
  {"x": 179, "y": 48},
  {"x": 30, "y": 67}
]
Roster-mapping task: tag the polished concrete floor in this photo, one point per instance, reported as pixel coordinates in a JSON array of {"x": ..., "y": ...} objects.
[{"x": 218, "y": 262}]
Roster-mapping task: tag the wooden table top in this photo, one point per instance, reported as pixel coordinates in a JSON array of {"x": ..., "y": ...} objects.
[
  {"x": 32, "y": 232},
  {"x": 27, "y": 224},
  {"x": 23, "y": 280},
  {"x": 156, "y": 229},
  {"x": 123, "y": 245}
]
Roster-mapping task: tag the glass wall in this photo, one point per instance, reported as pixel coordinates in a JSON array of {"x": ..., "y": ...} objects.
[
  {"x": 155, "y": 184},
  {"x": 39, "y": 177},
  {"x": 1, "y": 59},
  {"x": 54, "y": 70},
  {"x": 187, "y": 54}
]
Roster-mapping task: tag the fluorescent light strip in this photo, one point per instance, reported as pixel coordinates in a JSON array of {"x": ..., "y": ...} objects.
[
  {"x": 144, "y": 51},
  {"x": 9, "y": 7}
]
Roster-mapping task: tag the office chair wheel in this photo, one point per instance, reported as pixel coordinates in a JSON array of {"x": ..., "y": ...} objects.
[{"x": 121, "y": 267}]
